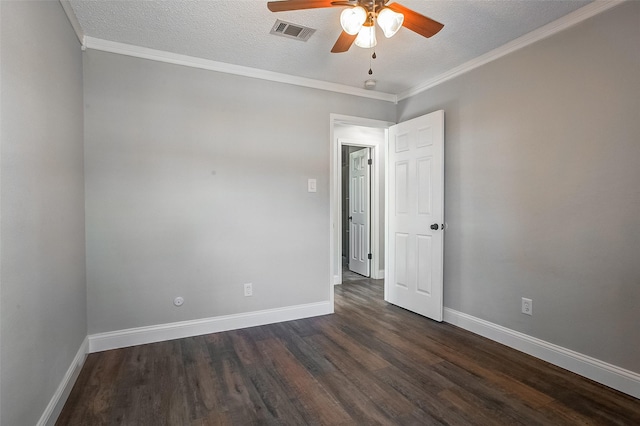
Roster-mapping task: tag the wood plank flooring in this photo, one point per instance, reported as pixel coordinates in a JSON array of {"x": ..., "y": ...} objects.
[{"x": 369, "y": 363}]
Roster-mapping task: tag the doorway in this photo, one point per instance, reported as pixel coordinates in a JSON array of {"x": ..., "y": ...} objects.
[
  {"x": 357, "y": 171},
  {"x": 415, "y": 186},
  {"x": 361, "y": 133}
]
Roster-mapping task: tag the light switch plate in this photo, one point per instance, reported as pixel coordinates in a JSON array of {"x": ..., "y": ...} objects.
[{"x": 311, "y": 185}]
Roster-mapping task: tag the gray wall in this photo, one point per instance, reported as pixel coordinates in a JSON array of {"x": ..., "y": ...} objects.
[
  {"x": 196, "y": 182},
  {"x": 43, "y": 293},
  {"x": 542, "y": 187}
]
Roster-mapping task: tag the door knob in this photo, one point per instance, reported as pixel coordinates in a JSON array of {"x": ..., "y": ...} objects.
[
  {"x": 434, "y": 226},
  {"x": 350, "y": 217}
]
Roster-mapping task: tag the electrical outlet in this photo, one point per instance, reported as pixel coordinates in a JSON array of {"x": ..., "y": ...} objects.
[
  {"x": 527, "y": 306},
  {"x": 248, "y": 289}
]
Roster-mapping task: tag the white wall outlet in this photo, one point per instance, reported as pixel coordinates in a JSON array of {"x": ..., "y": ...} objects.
[
  {"x": 527, "y": 306},
  {"x": 248, "y": 289},
  {"x": 178, "y": 301}
]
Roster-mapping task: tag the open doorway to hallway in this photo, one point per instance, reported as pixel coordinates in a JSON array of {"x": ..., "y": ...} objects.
[
  {"x": 357, "y": 170},
  {"x": 351, "y": 135}
]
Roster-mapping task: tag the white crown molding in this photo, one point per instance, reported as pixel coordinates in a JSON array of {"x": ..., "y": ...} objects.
[
  {"x": 548, "y": 30},
  {"x": 73, "y": 19},
  {"x": 177, "y": 330},
  {"x": 610, "y": 375},
  {"x": 573, "y": 18},
  {"x": 54, "y": 408},
  {"x": 193, "y": 62}
]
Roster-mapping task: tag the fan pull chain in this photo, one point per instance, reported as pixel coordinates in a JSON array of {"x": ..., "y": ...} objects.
[{"x": 372, "y": 57}]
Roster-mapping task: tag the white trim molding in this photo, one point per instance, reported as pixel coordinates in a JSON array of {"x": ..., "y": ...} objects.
[
  {"x": 54, "y": 408},
  {"x": 177, "y": 330},
  {"x": 545, "y": 31},
  {"x": 207, "y": 64},
  {"x": 73, "y": 20},
  {"x": 573, "y": 18},
  {"x": 607, "y": 374}
]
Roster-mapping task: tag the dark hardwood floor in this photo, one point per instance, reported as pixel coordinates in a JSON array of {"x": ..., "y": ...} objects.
[{"x": 369, "y": 363}]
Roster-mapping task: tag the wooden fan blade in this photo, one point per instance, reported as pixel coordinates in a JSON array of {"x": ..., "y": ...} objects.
[
  {"x": 281, "y": 6},
  {"x": 344, "y": 42},
  {"x": 420, "y": 24}
]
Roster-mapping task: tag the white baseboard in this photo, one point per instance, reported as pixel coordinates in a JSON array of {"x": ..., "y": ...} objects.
[
  {"x": 380, "y": 275},
  {"x": 61, "y": 394},
  {"x": 610, "y": 375},
  {"x": 336, "y": 280},
  {"x": 159, "y": 333}
]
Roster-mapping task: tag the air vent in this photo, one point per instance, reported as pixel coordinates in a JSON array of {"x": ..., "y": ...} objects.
[{"x": 289, "y": 30}]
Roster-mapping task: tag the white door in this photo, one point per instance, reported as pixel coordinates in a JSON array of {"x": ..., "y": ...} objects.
[
  {"x": 359, "y": 196},
  {"x": 415, "y": 215}
]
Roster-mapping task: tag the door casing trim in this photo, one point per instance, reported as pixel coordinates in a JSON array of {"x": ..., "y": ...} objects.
[{"x": 335, "y": 203}]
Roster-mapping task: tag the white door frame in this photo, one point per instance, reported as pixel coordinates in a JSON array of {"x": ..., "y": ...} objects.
[{"x": 335, "y": 201}]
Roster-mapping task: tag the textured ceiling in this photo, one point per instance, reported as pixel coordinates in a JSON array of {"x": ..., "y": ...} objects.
[{"x": 237, "y": 32}]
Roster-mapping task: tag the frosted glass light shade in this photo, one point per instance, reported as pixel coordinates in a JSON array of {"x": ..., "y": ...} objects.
[
  {"x": 390, "y": 22},
  {"x": 352, "y": 19},
  {"x": 367, "y": 37}
]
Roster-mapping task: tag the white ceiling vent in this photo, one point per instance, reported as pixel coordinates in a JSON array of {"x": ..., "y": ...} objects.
[{"x": 289, "y": 30}]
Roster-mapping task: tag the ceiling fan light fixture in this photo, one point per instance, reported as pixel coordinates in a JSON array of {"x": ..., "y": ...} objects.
[
  {"x": 352, "y": 19},
  {"x": 389, "y": 21},
  {"x": 367, "y": 37}
]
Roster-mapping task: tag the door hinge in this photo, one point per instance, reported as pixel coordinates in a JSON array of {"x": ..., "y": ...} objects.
[
  {"x": 369, "y": 161},
  {"x": 369, "y": 256}
]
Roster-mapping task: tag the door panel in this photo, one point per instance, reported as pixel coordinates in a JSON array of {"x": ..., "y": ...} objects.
[
  {"x": 424, "y": 186},
  {"x": 359, "y": 206},
  {"x": 415, "y": 191},
  {"x": 424, "y": 281},
  {"x": 402, "y": 193},
  {"x": 402, "y": 241}
]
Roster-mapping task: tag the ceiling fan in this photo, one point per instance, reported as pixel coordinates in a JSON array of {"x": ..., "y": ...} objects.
[{"x": 359, "y": 19}]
